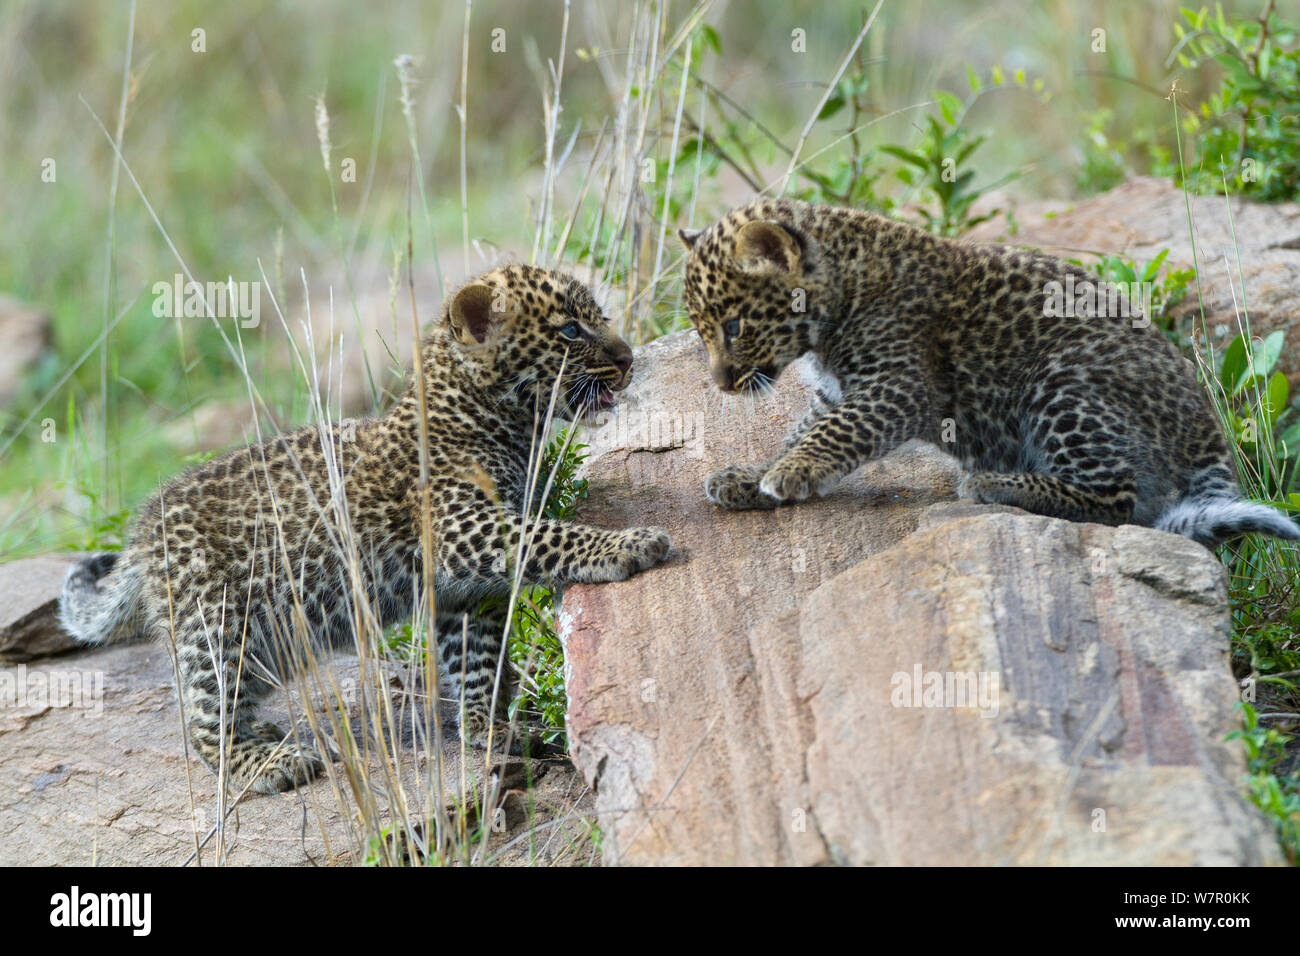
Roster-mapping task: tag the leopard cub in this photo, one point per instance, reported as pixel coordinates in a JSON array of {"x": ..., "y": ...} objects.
[
  {"x": 1089, "y": 418},
  {"x": 312, "y": 531}
]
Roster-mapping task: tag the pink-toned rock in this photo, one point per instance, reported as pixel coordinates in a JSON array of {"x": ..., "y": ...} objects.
[
  {"x": 1248, "y": 253},
  {"x": 750, "y": 701}
]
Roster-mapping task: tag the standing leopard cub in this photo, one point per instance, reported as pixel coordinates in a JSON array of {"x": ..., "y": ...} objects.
[
  {"x": 1088, "y": 418},
  {"x": 251, "y": 550}
]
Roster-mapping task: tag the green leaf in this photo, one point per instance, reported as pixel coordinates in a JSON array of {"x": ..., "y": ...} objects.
[
  {"x": 1288, "y": 446},
  {"x": 1264, "y": 357},
  {"x": 833, "y": 106},
  {"x": 949, "y": 106},
  {"x": 906, "y": 156},
  {"x": 1234, "y": 364},
  {"x": 711, "y": 38},
  {"x": 1275, "y": 398},
  {"x": 1153, "y": 267}
]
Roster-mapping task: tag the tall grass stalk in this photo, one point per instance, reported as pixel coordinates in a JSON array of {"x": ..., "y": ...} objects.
[
  {"x": 1263, "y": 572},
  {"x": 110, "y": 262}
]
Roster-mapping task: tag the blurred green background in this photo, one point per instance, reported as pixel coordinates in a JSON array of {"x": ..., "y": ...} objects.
[{"x": 224, "y": 146}]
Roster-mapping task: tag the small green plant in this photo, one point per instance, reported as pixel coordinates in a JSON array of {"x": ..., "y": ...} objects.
[
  {"x": 560, "y": 464},
  {"x": 936, "y": 167},
  {"x": 1167, "y": 287},
  {"x": 538, "y": 657},
  {"x": 1276, "y": 795},
  {"x": 929, "y": 182},
  {"x": 533, "y": 646},
  {"x": 936, "y": 170},
  {"x": 1248, "y": 130},
  {"x": 1163, "y": 288},
  {"x": 105, "y": 528},
  {"x": 1259, "y": 417},
  {"x": 1252, "y": 400},
  {"x": 1102, "y": 165}
]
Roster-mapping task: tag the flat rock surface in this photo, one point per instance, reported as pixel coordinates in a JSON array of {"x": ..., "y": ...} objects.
[
  {"x": 93, "y": 771},
  {"x": 788, "y": 688}
]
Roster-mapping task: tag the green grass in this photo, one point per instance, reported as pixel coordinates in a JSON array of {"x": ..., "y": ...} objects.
[{"x": 1251, "y": 401}]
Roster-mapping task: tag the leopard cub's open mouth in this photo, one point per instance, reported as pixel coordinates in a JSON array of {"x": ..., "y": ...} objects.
[{"x": 603, "y": 399}]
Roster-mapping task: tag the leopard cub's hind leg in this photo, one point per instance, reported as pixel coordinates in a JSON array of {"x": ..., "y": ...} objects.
[
  {"x": 468, "y": 651},
  {"x": 1082, "y": 467},
  {"x": 219, "y": 701},
  {"x": 1101, "y": 502}
]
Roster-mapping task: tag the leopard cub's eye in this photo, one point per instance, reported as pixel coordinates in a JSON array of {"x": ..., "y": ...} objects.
[
  {"x": 570, "y": 331},
  {"x": 731, "y": 327}
]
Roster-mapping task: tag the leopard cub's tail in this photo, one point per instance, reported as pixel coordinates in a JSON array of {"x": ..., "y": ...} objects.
[
  {"x": 101, "y": 600},
  {"x": 1213, "y": 520}
]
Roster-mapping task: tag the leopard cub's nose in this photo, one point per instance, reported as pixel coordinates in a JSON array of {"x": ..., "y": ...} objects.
[{"x": 622, "y": 359}]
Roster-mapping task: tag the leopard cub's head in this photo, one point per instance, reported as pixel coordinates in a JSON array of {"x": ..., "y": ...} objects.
[
  {"x": 749, "y": 289},
  {"x": 522, "y": 327}
]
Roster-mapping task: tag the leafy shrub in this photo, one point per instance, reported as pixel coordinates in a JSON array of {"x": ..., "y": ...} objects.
[
  {"x": 1277, "y": 796},
  {"x": 1248, "y": 131},
  {"x": 533, "y": 646}
]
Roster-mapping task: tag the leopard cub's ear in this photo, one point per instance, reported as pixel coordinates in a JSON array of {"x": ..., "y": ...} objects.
[
  {"x": 475, "y": 311},
  {"x": 689, "y": 237},
  {"x": 764, "y": 247}
]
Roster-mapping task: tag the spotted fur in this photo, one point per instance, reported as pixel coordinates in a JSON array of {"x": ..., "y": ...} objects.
[
  {"x": 244, "y": 554},
  {"x": 912, "y": 335}
]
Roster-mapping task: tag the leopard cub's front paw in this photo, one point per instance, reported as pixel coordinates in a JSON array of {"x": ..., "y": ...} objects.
[
  {"x": 736, "y": 487},
  {"x": 789, "y": 482},
  {"x": 642, "y": 548}
]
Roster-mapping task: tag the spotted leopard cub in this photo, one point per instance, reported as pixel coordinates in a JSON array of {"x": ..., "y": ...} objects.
[
  {"x": 251, "y": 550},
  {"x": 915, "y": 336}
]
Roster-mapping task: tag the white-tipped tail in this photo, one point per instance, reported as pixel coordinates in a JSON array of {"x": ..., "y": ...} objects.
[
  {"x": 1212, "y": 521},
  {"x": 100, "y": 602}
]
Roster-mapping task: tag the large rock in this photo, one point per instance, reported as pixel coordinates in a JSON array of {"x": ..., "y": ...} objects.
[
  {"x": 1248, "y": 253},
  {"x": 29, "y": 604},
  {"x": 752, "y": 701},
  {"x": 94, "y": 772}
]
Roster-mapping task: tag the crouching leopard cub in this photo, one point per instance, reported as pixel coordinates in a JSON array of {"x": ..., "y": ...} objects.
[
  {"x": 1092, "y": 418},
  {"x": 250, "y": 550}
]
